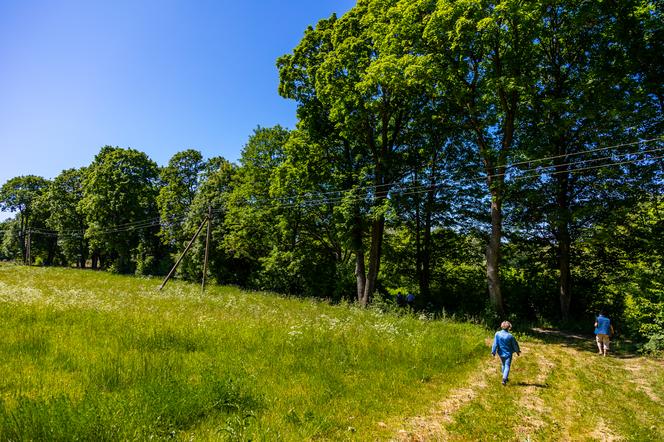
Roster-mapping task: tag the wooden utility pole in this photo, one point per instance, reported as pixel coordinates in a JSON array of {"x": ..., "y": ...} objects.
[
  {"x": 186, "y": 249},
  {"x": 207, "y": 247}
]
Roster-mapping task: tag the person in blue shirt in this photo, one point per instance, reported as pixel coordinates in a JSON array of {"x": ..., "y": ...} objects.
[
  {"x": 410, "y": 300},
  {"x": 505, "y": 345},
  {"x": 603, "y": 330}
]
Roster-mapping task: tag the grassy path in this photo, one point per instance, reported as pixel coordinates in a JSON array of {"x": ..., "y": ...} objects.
[{"x": 560, "y": 390}]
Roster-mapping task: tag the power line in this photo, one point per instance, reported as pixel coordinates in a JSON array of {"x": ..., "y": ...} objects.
[
  {"x": 544, "y": 172},
  {"x": 615, "y": 146},
  {"x": 587, "y": 161},
  {"x": 595, "y": 167},
  {"x": 394, "y": 188},
  {"x": 378, "y": 187},
  {"x": 126, "y": 227},
  {"x": 414, "y": 190}
]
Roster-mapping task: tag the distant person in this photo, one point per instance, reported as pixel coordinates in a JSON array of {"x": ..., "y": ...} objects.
[
  {"x": 505, "y": 345},
  {"x": 603, "y": 331},
  {"x": 410, "y": 300},
  {"x": 401, "y": 300}
]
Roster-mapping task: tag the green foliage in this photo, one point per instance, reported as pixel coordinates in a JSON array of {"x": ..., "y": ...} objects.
[
  {"x": 214, "y": 190},
  {"x": 21, "y": 194},
  {"x": 18, "y": 194},
  {"x": 637, "y": 281},
  {"x": 63, "y": 198},
  {"x": 119, "y": 188},
  {"x": 181, "y": 179},
  {"x": 10, "y": 246},
  {"x": 356, "y": 91},
  {"x": 264, "y": 229}
]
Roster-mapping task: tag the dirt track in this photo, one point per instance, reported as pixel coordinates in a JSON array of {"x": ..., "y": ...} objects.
[{"x": 549, "y": 382}]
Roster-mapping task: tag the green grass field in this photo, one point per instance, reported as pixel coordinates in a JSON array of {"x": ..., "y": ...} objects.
[{"x": 91, "y": 356}]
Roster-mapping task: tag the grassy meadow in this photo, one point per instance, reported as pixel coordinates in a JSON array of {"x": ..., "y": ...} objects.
[{"x": 92, "y": 356}]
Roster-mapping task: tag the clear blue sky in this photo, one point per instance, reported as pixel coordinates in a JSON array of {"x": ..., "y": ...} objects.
[{"x": 159, "y": 76}]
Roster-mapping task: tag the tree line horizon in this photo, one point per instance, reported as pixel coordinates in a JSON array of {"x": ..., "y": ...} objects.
[{"x": 487, "y": 156}]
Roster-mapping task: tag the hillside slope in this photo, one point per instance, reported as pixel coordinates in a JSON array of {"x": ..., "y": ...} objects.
[{"x": 92, "y": 356}]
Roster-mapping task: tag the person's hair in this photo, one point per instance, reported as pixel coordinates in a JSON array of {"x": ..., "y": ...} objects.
[
  {"x": 505, "y": 325},
  {"x": 602, "y": 311}
]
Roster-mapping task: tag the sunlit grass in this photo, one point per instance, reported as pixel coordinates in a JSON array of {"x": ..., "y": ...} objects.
[
  {"x": 562, "y": 392},
  {"x": 93, "y": 356}
]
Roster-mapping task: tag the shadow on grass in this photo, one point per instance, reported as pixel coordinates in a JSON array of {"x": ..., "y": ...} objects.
[
  {"x": 583, "y": 342},
  {"x": 531, "y": 384}
]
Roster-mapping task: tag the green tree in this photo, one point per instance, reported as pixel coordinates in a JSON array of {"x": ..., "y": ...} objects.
[
  {"x": 483, "y": 52},
  {"x": 180, "y": 178},
  {"x": 623, "y": 266},
  {"x": 249, "y": 218},
  {"x": 20, "y": 194},
  {"x": 314, "y": 221},
  {"x": 364, "y": 85},
  {"x": 588, "y": 93},
  {"x": 215, "y": 185},
  {"x": 119, "y": 204},
  {"x": 10, "y": 247},
  {"x": 62, "y": 198}
]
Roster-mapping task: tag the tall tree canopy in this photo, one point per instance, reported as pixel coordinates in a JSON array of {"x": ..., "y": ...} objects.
[
  {"x": 20, "y": 195},
  {"x": 181, "y": 178},
  {"x": 120, "y": 187},
  {"x": 358, "y": 77},
  {"x": 63, "y": 199}
]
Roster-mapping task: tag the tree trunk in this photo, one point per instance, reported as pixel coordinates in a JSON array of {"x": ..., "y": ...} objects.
[
  {"x": 358, "y": 250},
  {"x": 377, "y": 228},
  {"x": 563, "y": 236},
  {"x": 419, "y": 258},
  {"x": 22, "y": 236},
  {"x": 565, "y": 282},
  {"x": 493, "y": 254},
  {"x": 425, "y": 277},
  {"x": 361, "y": 278},
  {"x": 82, "y": 257},
  {"x": 51, "y": 250}
]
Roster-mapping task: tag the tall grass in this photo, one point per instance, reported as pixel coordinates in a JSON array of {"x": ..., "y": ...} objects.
[{"x": 93, "y": 356}]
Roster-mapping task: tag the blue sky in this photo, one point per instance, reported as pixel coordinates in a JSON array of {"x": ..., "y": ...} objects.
[{"x": 159, "y": 76}]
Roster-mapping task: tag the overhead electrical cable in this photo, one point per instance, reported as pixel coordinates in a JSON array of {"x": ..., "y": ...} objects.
[
  {"x": 376, "y": 187},
  {"x": 410, "y": 190},
  {"x": 390, "y": 186},
  {"x": 314, "y": 199}
]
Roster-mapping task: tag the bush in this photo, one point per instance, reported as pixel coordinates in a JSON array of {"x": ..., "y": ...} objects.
[
  {"x": 644, "y": 319},
  {"x": 655, "y": 344}
]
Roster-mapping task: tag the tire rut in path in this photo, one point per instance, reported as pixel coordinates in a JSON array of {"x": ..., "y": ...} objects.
[
  {"x": 530, "y": 399},
  {"x": 432, "y": 425}
]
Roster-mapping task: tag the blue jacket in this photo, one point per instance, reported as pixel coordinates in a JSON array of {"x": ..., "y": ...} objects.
[
  {"x": 504, "y": 344},
  {"x": 603, "y": 325}
]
